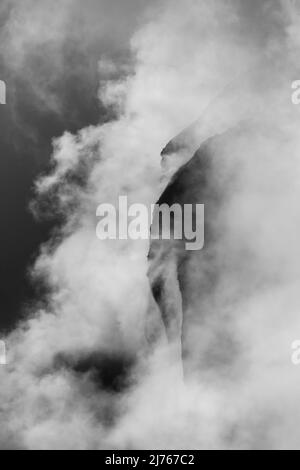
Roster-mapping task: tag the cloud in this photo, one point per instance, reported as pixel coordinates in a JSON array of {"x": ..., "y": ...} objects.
[
  {"x": 42, "y": 42},
  {"x": 49, "y": 57},
  {"x": 185, "y": 56}
]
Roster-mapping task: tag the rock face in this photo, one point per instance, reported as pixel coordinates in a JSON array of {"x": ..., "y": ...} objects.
[{"x": 196, "y": 290}]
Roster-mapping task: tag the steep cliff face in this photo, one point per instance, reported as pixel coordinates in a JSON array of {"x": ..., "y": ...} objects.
[{"x": 197, "y": 290}]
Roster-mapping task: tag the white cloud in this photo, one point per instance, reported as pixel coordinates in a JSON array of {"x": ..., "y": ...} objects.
[{"x": 98, "y": 292}]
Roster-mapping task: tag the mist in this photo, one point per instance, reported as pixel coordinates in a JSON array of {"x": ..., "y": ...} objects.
[{"x": 81, "y": 373}]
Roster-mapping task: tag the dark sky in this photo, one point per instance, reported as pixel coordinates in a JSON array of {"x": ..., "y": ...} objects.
[
  {"x": 41, "y": 57},
  {"x": 24, "y": 154}
]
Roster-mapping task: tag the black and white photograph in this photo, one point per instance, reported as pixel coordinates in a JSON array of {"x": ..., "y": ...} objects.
[{"x": 150, "y": 227}]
